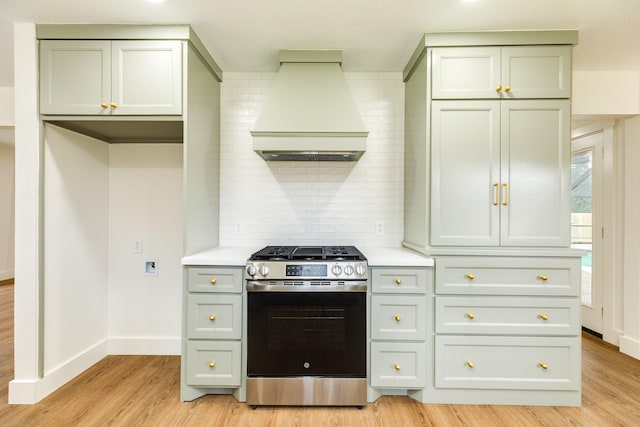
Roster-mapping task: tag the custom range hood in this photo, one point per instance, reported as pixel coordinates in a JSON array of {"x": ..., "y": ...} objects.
[{"x": 310, "y": 114}]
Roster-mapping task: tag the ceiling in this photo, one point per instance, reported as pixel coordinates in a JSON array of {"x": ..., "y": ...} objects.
[{"x": 375, "y": 35}]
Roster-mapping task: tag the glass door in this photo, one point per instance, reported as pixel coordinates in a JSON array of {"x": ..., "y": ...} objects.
[{"x": 586, "y": 223}]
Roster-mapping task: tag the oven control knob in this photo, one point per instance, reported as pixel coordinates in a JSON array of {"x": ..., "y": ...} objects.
[
  {"x": 360, "y": 269},
  {"x": 336, "y": 270},
  {"x": 251, "y": 270},
  {"x": 348, "y": 270},
  {"x": 263, "y": 270}
]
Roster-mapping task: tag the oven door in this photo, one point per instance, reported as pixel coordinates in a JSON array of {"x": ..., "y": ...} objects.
[{"x": 294, "y": 334}]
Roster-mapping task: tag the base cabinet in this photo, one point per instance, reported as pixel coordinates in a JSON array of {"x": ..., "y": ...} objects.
[
  {"x": 507, "y": 323},
  {"x": 398, "y": 324},
  {"x": 212, "y": 357}
]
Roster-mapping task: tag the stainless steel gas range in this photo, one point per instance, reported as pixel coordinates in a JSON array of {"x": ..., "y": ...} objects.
[{"x": 306, "y": 326}]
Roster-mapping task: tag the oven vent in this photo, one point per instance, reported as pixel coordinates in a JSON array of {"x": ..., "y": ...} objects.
[
  {"x": 320, "y": 283},
  {"x": 289, "y": 283}
]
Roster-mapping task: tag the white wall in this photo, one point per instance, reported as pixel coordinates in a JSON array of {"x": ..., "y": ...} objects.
[
  {"x": 7, "y": 204},
  {"x": 76, "y": 171},
  {"x": 145, "y": 204},
  {"x": 630, "y": 340},
  {"x": 312, "y": 202}
]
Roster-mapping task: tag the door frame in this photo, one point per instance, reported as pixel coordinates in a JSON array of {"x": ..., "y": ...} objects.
[{"x": 611, "y": 244}]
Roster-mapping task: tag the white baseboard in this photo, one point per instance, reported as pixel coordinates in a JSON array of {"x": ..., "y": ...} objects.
[
  {"x": 630, "y": 346},
  {"x": 6, "y": 274},
  {"x": 29, "y": 391},
  {"x": 154, "y": 346}
]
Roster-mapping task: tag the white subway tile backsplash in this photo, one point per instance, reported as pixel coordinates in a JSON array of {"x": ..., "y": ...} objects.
[{"x": 312, "y": 202}]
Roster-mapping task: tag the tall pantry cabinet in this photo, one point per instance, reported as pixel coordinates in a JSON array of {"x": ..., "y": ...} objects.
[{"x": 487, "y": 195}]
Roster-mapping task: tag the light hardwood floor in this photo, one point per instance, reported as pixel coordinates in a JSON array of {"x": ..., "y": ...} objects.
[{"x": 144, "y": 391}]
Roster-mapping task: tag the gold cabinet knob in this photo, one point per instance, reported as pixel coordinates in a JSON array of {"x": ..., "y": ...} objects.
[
  {"x": 507, "y": 88},
  {"x": 213, "y": 281},
  {"x": 543, "y": 277},
  {"x": 470, "y": 364},
  {"x": 104, "y": 105},
  {"x": 469, "y": 276},
  {"x": 212, "y": 317},
  {"x": 470, "y": 315},
  {"x": 398, "y": 281},
  {"x": 212, "y": 364},
  {"x": 396, "y": 366},
  {"x": 543, "y": 316},
  {"x": 543, "y": 365},
  {"x": 113, "y": 105},
  {"x": 397, "y": 317},
  {"x": 498, "y": 88}
]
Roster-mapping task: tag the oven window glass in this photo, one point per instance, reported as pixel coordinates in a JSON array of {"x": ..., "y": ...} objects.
[{"x": 306, "y": 334}]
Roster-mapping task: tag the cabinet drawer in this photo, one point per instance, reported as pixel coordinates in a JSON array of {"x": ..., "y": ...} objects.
[
  {"x": 507, "y": 315},
  {"x": 211, "y": 279},
  {"x": 508, "y": 276},
  {"x": 400, "y": 280},
  {"x": 518, "y": 363},
  {"x": 214, "y": 363},
  {"x": 214, "y": 316},
  {"x": 398, "y": 317},
  {"x": 401, "y": 365}
]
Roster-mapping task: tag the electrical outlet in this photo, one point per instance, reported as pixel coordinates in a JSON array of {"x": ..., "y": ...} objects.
[
  {"x": 379, "y": 228},
  {"x": 237, "y": 227},
  {"x": 137, "y": 246},
  {"x": 151, "y": 268}
]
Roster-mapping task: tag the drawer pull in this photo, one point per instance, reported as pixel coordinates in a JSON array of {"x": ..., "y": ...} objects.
[
  {"x": 470, "y": 364},
  {"x": 213, "y": 281},
  {"x": 212, "y": 317},
  {"x": 212, "y": 364},
  {"x": 398, "y": 281},
  {"x": 543, "y": 365},
  {"x": 543, "y": 316},
  {"x": 470, "y": 315},
  {"x": 543, "y": 277},
  {"x": 396, "y": 366},
  {"x": 469, "y": 276},
  {"x": 397, "y": 317}
]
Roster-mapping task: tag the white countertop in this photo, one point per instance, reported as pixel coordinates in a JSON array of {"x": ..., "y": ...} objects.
[{"x": 377, "y": 257}]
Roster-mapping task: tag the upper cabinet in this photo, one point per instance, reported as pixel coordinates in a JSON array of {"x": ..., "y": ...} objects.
[
  {"x": 487, "y": 141},
  {"x": 103, "y": 77},
  {"x": 515, "y": 72}
]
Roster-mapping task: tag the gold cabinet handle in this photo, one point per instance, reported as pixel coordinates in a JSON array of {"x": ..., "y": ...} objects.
[
  {"x": 398, "y": 281},
  {"x": 498, "y": 88},
  {"x": 212, "y": 364},
  {"x": 543, "y": 316},
  {"x": 396, "y": 366},
  {"x": 543, "y": 365},
  {"x": 470, "y": 315},
  {"x": 212, "y": 317},
  {"x": 496, "y": 194},
  {"x": 113, "y": 105},
  {"x": 397, "y": 317},
  {"x": 507, "y": 88},
  {"x": 469, "y": 276},
  {"x": 104, "y": 105},
  {"x": 543, "y": 277},
  {"x": 213, "y": 281},
  {"x": 505, "y": 188},
  {"x": 470, "y": 364}
]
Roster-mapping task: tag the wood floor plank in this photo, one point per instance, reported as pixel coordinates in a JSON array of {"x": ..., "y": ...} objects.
[{"x": 145, "y": 391}]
